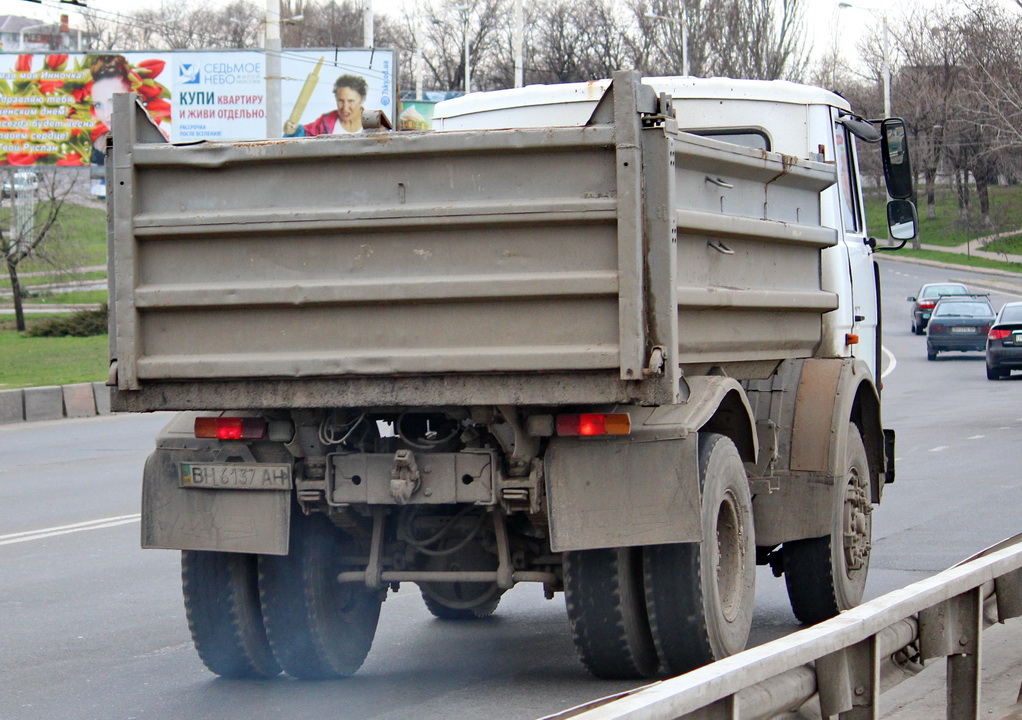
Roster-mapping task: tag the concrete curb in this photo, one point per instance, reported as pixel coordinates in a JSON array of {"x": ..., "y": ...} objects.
[{"x": 54, "y": 402}]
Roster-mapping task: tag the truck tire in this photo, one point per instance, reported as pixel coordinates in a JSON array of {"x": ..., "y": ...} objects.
[
  {"x": 317, "y": 627},
  {"x": 221, "y": 595},
  {"x": 700, "y": 596},
  {"x": 607, "y": 614},
  {"x": 441, "y": 608},
  {"x": 828, "y": 574}
]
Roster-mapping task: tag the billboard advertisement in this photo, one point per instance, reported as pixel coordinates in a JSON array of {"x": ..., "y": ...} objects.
[{"x": 55, "y": 108}]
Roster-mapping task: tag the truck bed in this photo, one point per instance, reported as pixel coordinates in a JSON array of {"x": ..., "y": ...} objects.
[{"x": 540, "y": 266}]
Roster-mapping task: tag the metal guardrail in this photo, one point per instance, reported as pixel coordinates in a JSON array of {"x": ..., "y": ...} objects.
[{"x": 846, "y": 662}]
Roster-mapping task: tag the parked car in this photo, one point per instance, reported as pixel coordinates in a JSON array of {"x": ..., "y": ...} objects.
[
  {"x": 1004, "y": 342},
  {"x": 958, "y": 323},
  {"x": 23, "y": 181},
  {"x": 924, "y": 300}
]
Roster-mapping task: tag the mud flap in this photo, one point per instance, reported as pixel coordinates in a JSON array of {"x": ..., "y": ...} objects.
[
  {"x": 183, "y": 518},
  {"x": 621, "y": 493}
]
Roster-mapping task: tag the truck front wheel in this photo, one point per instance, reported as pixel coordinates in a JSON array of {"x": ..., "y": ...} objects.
[
  {"x": 221, "y": 597},
  {"x": 603, "y": 593},
  {"x": 318, "y": 628},
  {"x": 828, "y": 574},
  {"x": 700, "y": 596}
]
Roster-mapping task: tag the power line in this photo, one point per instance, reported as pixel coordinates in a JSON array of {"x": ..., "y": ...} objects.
[{"x": 133, "y": 22}]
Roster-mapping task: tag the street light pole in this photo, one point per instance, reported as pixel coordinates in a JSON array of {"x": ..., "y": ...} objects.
[
  {"x": 468, "y": 71},
  {"x": 887, "y": 67},
  {"x": 683, "y": 21},
  {"x": 519, "y": 33},
  {"x": 418, "y": 55}
]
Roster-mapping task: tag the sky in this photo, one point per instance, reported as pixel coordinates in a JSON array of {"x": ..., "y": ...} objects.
[{"x": 828, "y": 24}]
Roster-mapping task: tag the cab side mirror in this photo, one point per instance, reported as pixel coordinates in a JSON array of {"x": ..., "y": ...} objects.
[
  {"x": 894, "y": 150},
  {"x": 902, "y": 221}
]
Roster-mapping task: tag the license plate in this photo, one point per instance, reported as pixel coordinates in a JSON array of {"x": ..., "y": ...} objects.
[
  {"x": 236, "y": 476},
  {"x": 963, "y": 330},
  {"x": 926, "y": 316}
]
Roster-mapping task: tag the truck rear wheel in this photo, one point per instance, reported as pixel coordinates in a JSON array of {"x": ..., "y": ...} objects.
[
  {"x": 700, "y": 596},
  {"x": 828, "y": 574},
  {"x": 221, "y": 595},
  {"x": 317, "y": 627},
  {"x": 603, "y": 594}
]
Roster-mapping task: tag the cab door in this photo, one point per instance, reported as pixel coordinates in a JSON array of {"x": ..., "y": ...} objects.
[{"x": 863, "y": 319}]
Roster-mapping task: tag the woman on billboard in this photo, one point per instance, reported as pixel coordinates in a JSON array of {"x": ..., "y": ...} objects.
[{"x": 350, "y": 94}]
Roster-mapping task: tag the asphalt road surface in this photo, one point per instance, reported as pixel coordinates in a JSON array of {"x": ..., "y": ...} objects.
[{"x": 93, "y": 628}]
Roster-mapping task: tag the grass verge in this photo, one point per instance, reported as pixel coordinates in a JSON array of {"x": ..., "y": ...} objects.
[
  {"x": 28, "y": 362},
  {"x": 946, "y": 229}
]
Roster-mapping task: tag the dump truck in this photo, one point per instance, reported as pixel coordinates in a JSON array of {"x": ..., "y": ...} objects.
[{"x": 620, "y": 339}]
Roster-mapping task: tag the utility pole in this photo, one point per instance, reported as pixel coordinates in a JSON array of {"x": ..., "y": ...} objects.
[
  {"x": 519, "y": 32},
  {"x": 418, "y": 55},
  {"x": 271, "y": 46},
  {"x": 368, "y": 29}
]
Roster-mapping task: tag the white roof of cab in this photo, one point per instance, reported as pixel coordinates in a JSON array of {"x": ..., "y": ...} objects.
[{"x": 779, "y": 91}]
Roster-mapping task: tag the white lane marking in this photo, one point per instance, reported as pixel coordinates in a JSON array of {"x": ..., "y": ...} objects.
[
  {"x": 28, "y": 536},
  {"x": 891, "y": 365},
  {"x": 939, "y": 448},
  {"x": 977, "y": 437}
]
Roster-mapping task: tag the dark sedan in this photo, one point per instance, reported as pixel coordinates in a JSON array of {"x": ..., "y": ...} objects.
[
  {"x": 924, "y": 301},
  {"x": 958, "y": 323},
  {"x": 1004, "y": 342}
]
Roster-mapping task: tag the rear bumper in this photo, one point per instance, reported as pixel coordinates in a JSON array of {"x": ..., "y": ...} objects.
[
  {"x": 1000, "y": 356},
  {"x": 950, "y": 342}
]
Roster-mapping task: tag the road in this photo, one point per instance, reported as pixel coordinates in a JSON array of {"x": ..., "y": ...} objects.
[{"x": 93, "y": 628}]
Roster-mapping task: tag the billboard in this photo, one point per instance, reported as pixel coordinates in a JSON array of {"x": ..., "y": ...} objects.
[{"x": 55, "y": 108}]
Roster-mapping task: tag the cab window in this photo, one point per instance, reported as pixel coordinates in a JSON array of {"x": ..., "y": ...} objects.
[
  {"x": 752, "y": 138},
  {"x": 846, "y": 180}
]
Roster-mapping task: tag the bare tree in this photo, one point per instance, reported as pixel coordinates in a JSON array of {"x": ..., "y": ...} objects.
[
  {"x": 578, "y": 40},
  {"x": 928, "y": 86},
  {"x": 39, "y": 236},
  {"x": 445, "y": 30},
  {"x": 760, "y": 39}
]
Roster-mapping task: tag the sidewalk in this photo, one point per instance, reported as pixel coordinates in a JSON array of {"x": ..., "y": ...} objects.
[{"x": 974, "y": 248}]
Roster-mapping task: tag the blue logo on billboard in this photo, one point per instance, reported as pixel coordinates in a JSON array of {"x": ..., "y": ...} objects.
[{"x": 188, "y": 74}]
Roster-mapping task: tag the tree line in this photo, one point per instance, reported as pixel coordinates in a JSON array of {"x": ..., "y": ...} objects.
[
  {"x": 954, "y": 67},
  {"x": 564, "y": 40}
]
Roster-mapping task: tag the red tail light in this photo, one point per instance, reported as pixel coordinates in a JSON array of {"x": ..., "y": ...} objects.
[
  {"x": 593, "y": 424},
  {"x": 998, "y": 334},
  {"x": 230, "y": 428},
  {"x": 927, "y": 304}
]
